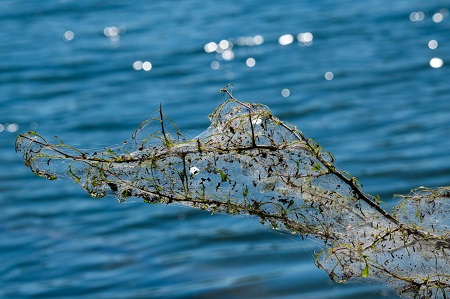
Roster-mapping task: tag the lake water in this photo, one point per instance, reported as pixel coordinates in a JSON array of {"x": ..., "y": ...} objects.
[{"x": 369, "y": 80}]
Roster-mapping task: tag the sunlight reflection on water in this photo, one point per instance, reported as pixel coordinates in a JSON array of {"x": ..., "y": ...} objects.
[{"x": 368, "y": 81}]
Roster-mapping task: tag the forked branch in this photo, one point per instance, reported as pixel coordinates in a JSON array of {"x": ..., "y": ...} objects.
[{"x": 250, "y": 162}]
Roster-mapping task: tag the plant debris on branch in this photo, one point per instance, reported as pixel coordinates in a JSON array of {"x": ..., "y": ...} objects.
[{"x": 250, "y": 162}]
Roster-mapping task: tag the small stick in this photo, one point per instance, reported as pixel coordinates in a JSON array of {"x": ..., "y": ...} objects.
[
  {"x": 162, "y": 125},
  {"x": 234, "y": 99}
]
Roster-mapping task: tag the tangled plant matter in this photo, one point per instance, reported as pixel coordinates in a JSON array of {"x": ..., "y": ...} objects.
[{"x": 250, "y": 162}]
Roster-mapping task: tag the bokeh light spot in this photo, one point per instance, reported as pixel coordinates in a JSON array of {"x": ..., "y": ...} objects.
[
  {"x": 417, "y": 16},
  {"x": 305, "y": 38},
  {"x": 146, "y": 66},
  {"x": 285, "y": 39},
  {"x": 228, "y": 55},
  {"x": 224, "y": 44},
  {"x": 137, "y": 65},
  {"x": 210, "y": 47},
  {"x": 68, "y": 36},
  {"x": 285, "y": 92},
  {"x": 12, "y": 128},
  {"x": 215, "y": 65},
  {"x": 258, "y": 39},
  {"x": 432, "y": 44},
  {"x": 250, "y": 62},
  {"x": 438, "y": 17},
  {"x": 329, "y": 76},
  {"x": 436, "y": 63},
  {"x": 111, "y": 31}
]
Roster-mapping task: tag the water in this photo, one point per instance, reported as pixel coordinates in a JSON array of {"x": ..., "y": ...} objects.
[{"x": 66, "y": 69}]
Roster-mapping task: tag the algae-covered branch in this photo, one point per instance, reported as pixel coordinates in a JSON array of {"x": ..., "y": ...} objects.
[{"x": 250, "y": 162}]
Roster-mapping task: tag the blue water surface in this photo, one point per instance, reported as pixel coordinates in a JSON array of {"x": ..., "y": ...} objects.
[{"x": 369, "y": 80}]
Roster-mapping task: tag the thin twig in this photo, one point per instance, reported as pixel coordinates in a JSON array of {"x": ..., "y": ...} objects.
[{"x": 163, "y": 131}]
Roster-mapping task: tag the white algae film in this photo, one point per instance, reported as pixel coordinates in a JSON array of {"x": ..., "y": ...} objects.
[{"x": 250, "y": 162}]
